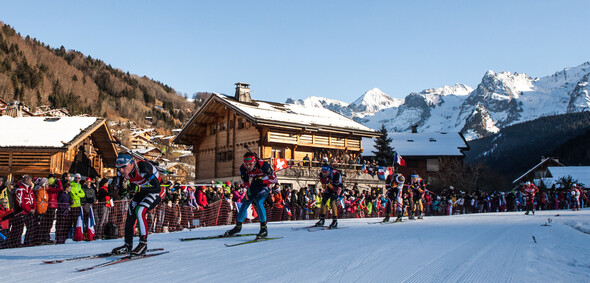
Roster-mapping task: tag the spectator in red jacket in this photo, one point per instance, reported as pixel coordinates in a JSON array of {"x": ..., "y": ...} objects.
[
  {"x": 24, "y": 211},
  {"x": 202, "y": 197},
  {"x": 5, "y": 215}
]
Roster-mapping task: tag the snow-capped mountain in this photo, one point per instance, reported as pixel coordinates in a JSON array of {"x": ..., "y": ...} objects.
[
  {"x": 500, "y": 100},
  {"x": 372, "y": 101}
]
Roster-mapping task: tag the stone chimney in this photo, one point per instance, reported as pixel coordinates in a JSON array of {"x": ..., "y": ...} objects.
[{"x": 243, "y": 92}]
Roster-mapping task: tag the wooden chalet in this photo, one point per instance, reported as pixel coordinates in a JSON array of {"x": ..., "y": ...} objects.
[
  {"x": 179, "y": 173},
  {"x": 39, "y": 146},
  {"x": 223, "y": 126},
  {"x": 537, "y": 172},
  {"x": 151, "y": 153},
  {"x": 426, "y": 153}
]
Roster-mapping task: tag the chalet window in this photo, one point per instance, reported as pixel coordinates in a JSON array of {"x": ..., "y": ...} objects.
[
  {"x": 213, "y": 129},
  {"x": 224, "y": 156},
  {"x": 278, "y": 153},
  {"x": 222, "y": 126},
  {"x": 231, "y": 124},
  {"x": 432, "y": 165},
  {"x": 241, "y": 123}
]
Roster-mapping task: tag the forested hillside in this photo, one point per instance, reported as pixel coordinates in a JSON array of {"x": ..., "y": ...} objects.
[
  {"x": 37, "y": 74},
  {"x": 516, "y": 149}
]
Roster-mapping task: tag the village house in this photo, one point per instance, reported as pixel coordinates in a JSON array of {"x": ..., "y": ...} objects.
[
  {"x": 537, "y": 172},
  {"x": 425, "y": 153},
  {"x": 39, "y": 146},
  {"x": 223, "y": 126}
]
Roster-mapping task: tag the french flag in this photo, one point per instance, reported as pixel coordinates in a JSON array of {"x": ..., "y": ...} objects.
[
  {"x": 79, "y": 233},
  {"x": 90, "y": 231},
  {"x": 288, "y": 211},
  {"x": 399, "y": 159},
  {"x": 382, "y": 173}
]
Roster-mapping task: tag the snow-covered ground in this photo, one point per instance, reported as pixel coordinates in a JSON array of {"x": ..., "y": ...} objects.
[{"x": 492, "y": 247}]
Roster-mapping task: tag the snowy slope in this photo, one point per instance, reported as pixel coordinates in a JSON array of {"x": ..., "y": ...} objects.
[{"x": 492, "y": 247}]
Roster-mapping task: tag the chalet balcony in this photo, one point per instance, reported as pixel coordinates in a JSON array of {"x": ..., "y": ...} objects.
[{"x": 311, "y": 169}]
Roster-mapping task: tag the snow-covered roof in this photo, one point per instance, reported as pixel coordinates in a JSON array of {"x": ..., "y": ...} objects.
[
  {"x": 580, "y": 173},
  {"x": 146, "y": 150},
  {"x": 422, "y": 144},
  {"x": 535, "y": 168},
  {"x": 41, "y": 131},
  {"x": 295, "y": 114}
]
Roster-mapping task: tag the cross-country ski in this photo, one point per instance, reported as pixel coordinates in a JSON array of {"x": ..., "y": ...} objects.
[
  {"x": 121, "y": 260},
  {"x": 215, "y": 237},
  {"x": 252, "y": 241},
  {"x": 101, "y": 255}
]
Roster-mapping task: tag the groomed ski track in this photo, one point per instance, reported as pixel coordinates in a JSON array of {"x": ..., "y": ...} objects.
[{"x": 490, "y": 247}]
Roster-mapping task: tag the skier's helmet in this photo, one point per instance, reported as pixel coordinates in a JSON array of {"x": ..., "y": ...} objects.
[{"x": 123, "y": 160}]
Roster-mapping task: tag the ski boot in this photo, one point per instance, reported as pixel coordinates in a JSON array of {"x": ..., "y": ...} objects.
[
  {"x": 321, "y": 222},
  {"x": 234, "y": 230},
  {"x": 124, "y": 249},
  {"x": 386, "y": 219},
  {"x": 526, "y": 213},
  {"x": 411, "y": 217},
  {"x": 399, "y": 217},
  {"x": 421, "y": 216},
  {"x": 263, "y": 231},
  {"x": 141, "y": 247},
  {"x": 334, "y": 224}
]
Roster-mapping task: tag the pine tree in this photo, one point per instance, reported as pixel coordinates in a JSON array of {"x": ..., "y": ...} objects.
[{"x": 384, "y": 153}]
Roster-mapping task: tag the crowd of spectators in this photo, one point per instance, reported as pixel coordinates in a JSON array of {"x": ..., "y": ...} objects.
[{"x": 43, "y": 205}]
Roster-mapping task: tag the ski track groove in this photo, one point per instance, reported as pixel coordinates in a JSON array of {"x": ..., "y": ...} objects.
[{"x": 433, "y": 270}]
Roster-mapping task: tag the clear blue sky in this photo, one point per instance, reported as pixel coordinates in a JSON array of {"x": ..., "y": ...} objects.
[{"x": 336, "y": 49}]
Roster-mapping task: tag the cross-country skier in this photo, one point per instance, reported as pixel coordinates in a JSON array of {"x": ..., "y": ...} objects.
[
  {"x": 148, "y": 194},
  {"x": 529, "y": 190},
  {"x": 331, "y": 180},
  {"x": 257, "y": 177},
  {"x": 418, "y": 187},
  {"x": 394, "y": 185}
]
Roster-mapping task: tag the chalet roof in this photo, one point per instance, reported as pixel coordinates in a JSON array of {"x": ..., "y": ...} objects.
[
  {"x": 282, "y": 115},
  {"x": 545, "y": 160},
  {"x": 424, "y": 144},
  {"x": 55, "y": 134},
  {"x": 580, "y": 173}
]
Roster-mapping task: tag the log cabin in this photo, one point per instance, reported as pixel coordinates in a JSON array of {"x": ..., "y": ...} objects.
[
  {"x": 39, "y": 146},
  {"x": 223, "y": 126}
]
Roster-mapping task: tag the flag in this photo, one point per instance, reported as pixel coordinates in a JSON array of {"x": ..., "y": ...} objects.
[
  {"x": 280, "y": 164},
  {"x": 399, "y": 159},
  {"x": 78, "y": 233},
  {"x": 383, "y": 172},
  {"x": 288, "y": 211},
  {"x": 364, "y": 168},
  {"x": 252, "y": 214},
  {"x": 90, "y": 230}
]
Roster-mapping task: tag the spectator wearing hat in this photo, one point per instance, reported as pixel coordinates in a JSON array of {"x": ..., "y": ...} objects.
[
  {"x": 53, "y": 188},
  {"x": 76, "y": 193},
  {"x": 24, "y": 211},
  {"x": 5, "y": 215}
]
